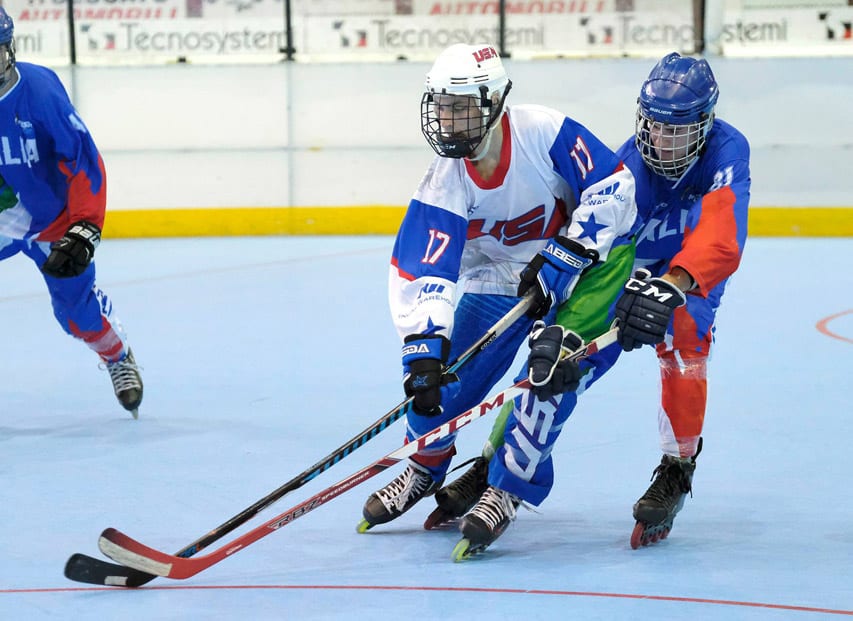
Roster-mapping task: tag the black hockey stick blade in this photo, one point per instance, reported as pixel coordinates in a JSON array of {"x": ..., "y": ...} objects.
[{"x": 83, "y": 568}]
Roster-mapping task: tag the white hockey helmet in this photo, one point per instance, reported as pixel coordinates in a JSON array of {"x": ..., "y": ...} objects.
[{"x": 464, "y": 97}]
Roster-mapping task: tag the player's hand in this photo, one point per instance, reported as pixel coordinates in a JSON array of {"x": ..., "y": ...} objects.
[
  {"x": 548, "y": 369},
  {"x": 645, "y": 309},
  {"x": 71, "y": 255},
  {"x": 424, "y": 359},
  {"x": 553, "y": 273}
]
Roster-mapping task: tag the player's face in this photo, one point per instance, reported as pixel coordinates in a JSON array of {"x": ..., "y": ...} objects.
[
  {"x": 670, "y": 141},
  {"x": 458, "y": 116},
  {"x": 7, "y": 55}
]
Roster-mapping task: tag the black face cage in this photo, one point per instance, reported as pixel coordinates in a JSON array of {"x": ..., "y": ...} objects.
[
  {"x": 7, "y": 61},
  {"x": 670, "y": 162},
  {"x": 457, "y": 130}
]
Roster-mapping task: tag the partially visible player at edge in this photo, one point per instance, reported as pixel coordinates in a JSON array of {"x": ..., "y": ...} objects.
[
  {"x": 52, "y": 204},
  {"x": 520, "y": 200},
  {"x": 693, "y": 187}
]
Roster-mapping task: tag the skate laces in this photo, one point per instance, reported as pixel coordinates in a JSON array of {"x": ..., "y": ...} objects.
[
  {"x": 472, "y": 482},
  {"x": 123, "y": 373},
  {"x": 671, "y": 477},
  {"x": 411, "y": 483},
  {"x": 495, "y": 506}
]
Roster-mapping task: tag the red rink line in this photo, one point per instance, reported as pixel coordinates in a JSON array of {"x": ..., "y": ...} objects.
[
  {"x": 308, "y": 587},
  {"x": 821, "y": 326}
]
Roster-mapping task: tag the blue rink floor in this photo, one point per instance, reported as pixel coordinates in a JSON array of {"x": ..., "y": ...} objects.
[{"x": 262, "y": 355}]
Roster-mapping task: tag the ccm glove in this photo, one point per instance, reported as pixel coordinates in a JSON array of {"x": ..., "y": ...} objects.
[
  {"x": 644, "y": 310},
  {"x": 71, "y": 255},
  {"x": 424, "y": 359},
  {"x": 548, "y": 368},
  {"x": 552, "y": 274}
]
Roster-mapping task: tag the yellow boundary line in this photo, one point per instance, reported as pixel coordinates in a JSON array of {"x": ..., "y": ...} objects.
[{"x": 385, "y": 219}]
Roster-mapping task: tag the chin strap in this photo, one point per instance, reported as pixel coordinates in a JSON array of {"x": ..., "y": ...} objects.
[{"x": 483, "y": 147}]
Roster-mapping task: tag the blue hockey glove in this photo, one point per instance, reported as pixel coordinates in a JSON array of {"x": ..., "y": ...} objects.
[
  {"x": 424, "y": 359},
  {"x": 547, "y": 369},
  {"x": 552, "y": 274},
  {"x": 645, "y": 309},
  {"x": 71, "y": 255}
]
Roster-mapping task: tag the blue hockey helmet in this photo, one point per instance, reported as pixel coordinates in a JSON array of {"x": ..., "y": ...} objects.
[
  {"x": 7, "y": 46},
  {"x": 7, "y": 27},
  {"x": 675, "y": 113}
]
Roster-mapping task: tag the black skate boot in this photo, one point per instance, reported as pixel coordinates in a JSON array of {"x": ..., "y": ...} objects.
[
  {"x": 485, "y": 522},
  {"x": 656, "y": 510},
  {"x": 397, "y": 497},
  {"x": 457, "y": 498},
  {"x": 127, "y": 382}
]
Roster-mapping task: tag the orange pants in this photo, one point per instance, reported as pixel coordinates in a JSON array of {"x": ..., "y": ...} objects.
[{"x": 683, "y": 358}]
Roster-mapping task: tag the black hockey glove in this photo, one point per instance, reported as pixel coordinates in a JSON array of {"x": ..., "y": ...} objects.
[
  {"x": 553, "y": 273},
  {"x": 548, "y": 370},
  {"x": 645, "y": 309},
  {"x": 71, "y": 255},
  {"x": 424, "y": 359}
]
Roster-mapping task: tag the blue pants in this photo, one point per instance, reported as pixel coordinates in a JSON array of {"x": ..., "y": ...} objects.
[
  {"x": 475, "y": 315},
  {"x": 80, "y": 307},
  {"x": 523, "y": 464}
]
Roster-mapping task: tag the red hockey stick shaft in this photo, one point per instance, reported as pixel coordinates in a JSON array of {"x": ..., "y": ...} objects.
[{"x": 130, "y": 552}]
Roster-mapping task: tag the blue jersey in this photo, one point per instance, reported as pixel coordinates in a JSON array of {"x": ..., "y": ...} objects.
[
  {"x": 51, "y": 173},
  {"x": 698, "y": 223}
]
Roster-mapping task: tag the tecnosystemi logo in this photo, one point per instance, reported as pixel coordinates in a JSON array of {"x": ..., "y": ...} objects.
[
  {"x": 836, "y": 29},
  {"x": 596, "y": 32},
  {"x": 350, "y": 38},
  {"x": 97, "y": 39}
]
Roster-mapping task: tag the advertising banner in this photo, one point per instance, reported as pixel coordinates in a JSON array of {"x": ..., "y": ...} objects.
[
  {"x": 156, "y": 31},
  {"x": 788, "y": 32},
  {"x": 422, "y": 37},
  {"x": 163, "y": 33}
]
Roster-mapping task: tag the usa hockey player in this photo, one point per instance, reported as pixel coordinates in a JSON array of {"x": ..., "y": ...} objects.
[
  {"x": 519, "y": 200},
  {"x": 52, "y": 204},
  {"x": 693, "y": 185}
]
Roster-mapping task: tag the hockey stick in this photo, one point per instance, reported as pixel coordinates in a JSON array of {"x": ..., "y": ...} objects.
[
  {"x": 130, "y": 552},
  {"x": 84, "y": 568}
]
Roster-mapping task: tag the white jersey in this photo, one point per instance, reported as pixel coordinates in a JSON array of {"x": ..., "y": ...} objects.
[{"x": 464, "y": 234}]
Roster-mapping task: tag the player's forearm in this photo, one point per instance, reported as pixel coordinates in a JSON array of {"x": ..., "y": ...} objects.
[{"x": 680, "y": 277}]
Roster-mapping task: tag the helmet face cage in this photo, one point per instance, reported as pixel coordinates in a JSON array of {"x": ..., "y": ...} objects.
[
  {"x": 675, "y": 113},
  {"x": 7, "y": 61},
  {"x": 465, "y": 92},
  {"x": 7, "y": 46},
  {"x": 670, "y": 149},
  {"x": 455, "y": 125}
]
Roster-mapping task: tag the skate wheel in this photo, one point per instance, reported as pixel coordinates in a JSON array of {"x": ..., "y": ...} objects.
[
  {"x": 363, "y": 526},
  {"x": 438, "y": 518},
  {"x": 461, "y": 551},
  {"x": 637, "y": 535}
]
